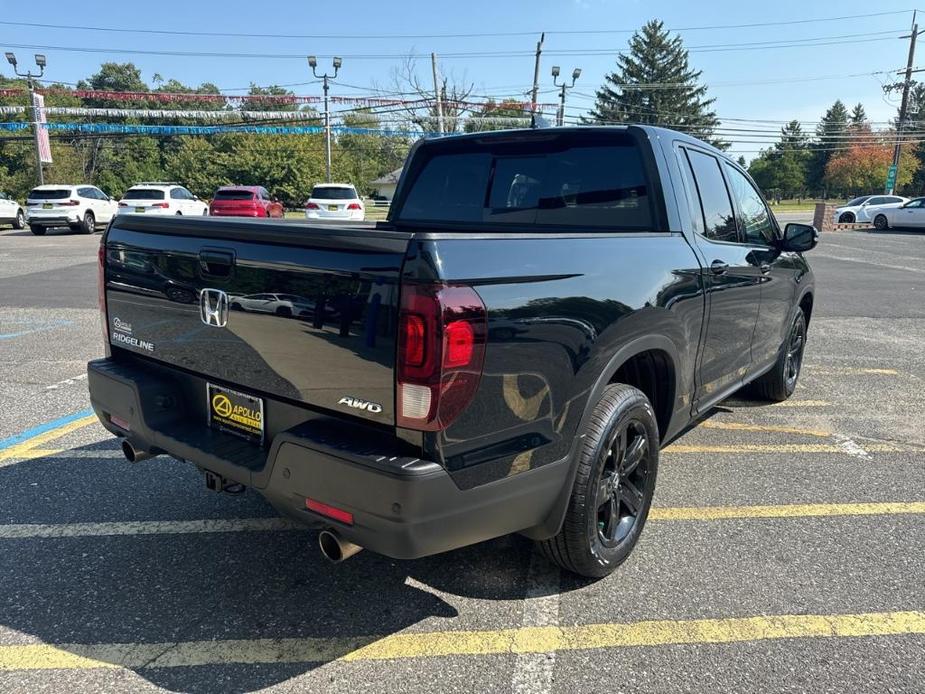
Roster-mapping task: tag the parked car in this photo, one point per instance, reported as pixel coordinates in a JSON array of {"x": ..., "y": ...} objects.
[
  {"x": 865, "y": 208},
  {"x": 543, "y": 311},
  {"x": 909, "y": 215},
  {"x": 335, "y": 201},
  {"x": 11, "y": 212},
  {"x": 161, "y": 198},
  {"x": 279, "y": 304},
  {"x": 82, "y": 208},
  {"x": 245, "y": 201}
]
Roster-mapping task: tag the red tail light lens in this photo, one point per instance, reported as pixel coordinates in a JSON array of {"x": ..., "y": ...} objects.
[
  {"x": 70, "y": 203},
  {"x": 441, "y": 352},
  {"x": 101, "y": 289},
  {"x": 329, "y": 511},
  {"x": 311, "y": 206},
  {"x": 354, "y": 206},
  {"x": 163, "y": 205}
]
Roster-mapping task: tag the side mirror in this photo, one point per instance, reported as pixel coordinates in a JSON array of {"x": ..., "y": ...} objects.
[{"x": 799, "y": 238}]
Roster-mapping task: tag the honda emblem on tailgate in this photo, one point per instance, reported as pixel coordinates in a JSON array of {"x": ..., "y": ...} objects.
[{"x": 213, "y": 307}]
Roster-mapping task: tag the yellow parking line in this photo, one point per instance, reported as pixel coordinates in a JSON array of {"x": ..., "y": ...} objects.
[
  {"x": 851, "y": 370},
  {"x": 543, "y": 639},
  {"x": 778, "y": 448},
  {"x": 785, "y": 511},
  {"x": 738, "y": 426},
  {"x": 40, "y": 453},
  {"x": 801, "y": 403},
  {"x": 21, "y": 450}
]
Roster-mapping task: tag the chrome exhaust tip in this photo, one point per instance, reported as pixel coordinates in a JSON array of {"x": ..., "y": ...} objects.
[
  {"x": 334, "y": 548},
  {"x": 134, "y": 454}
]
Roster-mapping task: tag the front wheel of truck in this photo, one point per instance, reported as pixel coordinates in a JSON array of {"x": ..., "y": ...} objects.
[
  {"x": 613, "y": 487},
  {"x": 779, "y": 383}
]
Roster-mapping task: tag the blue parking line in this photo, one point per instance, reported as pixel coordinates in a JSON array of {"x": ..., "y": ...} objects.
[
  {"x": 42, "y": 428},
  {"x": 42, "y": 326}
]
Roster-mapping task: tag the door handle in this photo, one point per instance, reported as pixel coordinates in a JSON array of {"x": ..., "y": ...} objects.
[
  {"x": 216, "y": 263},
  {"x": 718, "y": 267}
]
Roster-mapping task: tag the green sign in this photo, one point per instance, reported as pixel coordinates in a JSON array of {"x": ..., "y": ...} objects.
[{"x": 891, "y": 179}]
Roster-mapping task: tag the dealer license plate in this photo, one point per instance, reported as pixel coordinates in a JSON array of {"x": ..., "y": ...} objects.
[{"x": 235, "y": 412}]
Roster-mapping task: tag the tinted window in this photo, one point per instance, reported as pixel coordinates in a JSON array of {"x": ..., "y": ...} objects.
[
  {"x": 233, "y": 195},
  {"x": 857, "y": 201},
  {"x": 915, "y": 203},
  {"x": 176, "y": 194},
  {"x": 569, "y": 181},
  {"x": 333, "y": 193},
  {"x": 693, "y": 200},
  {"x": 143, "y": 194},
  {"x": 718, "y": 217},
  {"x": 56, "y": 194},
  {"x": 754, "y": 218},
  {"x": 879, "y": 200},
  {"x": 894, "y": 199}
]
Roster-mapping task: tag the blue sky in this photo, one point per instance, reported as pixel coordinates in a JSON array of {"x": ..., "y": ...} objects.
[{"x": 742, "y": 81}]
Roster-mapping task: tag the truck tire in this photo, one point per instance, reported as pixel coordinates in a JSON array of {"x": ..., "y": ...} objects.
[
  {"x": 37, "y": 229},
  {"x": 613, "y": 486},
  {"x": 779, "y": 383}
]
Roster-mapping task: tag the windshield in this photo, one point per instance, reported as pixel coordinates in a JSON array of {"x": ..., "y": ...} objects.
[
  {"x": 233, "y": 195},
  {"x": 857, "y": 201},
  {"x": 333, "y": 193},
  {"x": 143, "y": 194},
  {"x": 50, "y": 194}
]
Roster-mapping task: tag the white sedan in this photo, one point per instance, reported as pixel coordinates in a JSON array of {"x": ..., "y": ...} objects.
[
  {"x": 866, "y": 207},
  {"x": 287, "y": 305},
  {"x": 909, "y": 215},
  {"x": 335, "y": 201}
]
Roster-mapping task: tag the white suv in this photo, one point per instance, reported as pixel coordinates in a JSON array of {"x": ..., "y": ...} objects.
[
  {"x": 11, "y": 212},
  {"x": 335, "y": 201},
  {"x": 161, "y": 198},
  {"x": 82, "y": 208}
]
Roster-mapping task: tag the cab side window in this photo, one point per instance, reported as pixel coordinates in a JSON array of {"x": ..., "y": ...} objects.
[
  {"x": 718, "y": 217},
  {"x": 754, "y": 219}
]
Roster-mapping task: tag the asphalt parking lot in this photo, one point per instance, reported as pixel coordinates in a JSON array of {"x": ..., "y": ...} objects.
[{"x": 785, "y": 553}]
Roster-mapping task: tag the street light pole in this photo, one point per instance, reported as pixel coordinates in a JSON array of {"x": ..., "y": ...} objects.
[
  {"x": 30, "y": 80},
  {"x": 313, "y": 63},
  {"x": 576, "y": 73}
]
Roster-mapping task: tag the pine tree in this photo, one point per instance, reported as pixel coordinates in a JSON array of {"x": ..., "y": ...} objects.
[
  {"x": 655, "y": 84},
  {"x": 830, "y": 134},
  {"x": 858, "y": 115}
]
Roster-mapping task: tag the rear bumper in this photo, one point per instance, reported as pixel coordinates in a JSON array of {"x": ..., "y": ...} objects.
[
  {"x": 331, "y": 217},
  {"x": 214, "y": 212},
  {"x": 53, "y": 219},
  {"x": 403, "y": 506}
]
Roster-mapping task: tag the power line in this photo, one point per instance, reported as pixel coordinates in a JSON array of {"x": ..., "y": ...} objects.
[{"x": 226, "y": 34}]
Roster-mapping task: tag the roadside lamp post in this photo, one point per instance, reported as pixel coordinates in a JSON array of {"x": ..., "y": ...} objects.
[
  {"x": 313, "y": 63},
  {"x": 30, "y": 80},
  {"x": 576, "y": 73}
]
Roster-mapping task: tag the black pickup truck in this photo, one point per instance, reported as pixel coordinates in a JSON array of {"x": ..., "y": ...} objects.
[{"x": 543, "y": 310}]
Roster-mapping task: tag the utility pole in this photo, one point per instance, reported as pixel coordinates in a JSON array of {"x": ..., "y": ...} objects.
[
  {"x": 325, "y": 78},
  {"x": 534, "y": 95},
  {"x": 576, "y": 73},
  {"x": 433, "y": 65},
  {"x": 30, "y": 80},
  {"x": 903, "y": 107}
]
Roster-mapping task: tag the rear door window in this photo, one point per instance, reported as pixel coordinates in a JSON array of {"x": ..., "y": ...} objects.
[
  {"x": 718, "y": 216},
  {"x": 576, "y": 180}
]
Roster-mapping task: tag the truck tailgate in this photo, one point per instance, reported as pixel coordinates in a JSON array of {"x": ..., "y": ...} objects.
[{"x": 291, "y": 311}]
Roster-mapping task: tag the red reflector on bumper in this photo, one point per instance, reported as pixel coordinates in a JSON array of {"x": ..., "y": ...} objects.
[
  {"x": 329, "y": 511},
  {"x": 119, "y": 422}
]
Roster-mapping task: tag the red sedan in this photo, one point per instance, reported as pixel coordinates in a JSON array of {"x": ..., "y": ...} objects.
[{"x": 244, "y": 201}]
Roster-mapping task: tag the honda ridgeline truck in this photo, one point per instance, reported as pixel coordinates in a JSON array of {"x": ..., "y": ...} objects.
[{"x": 542, "y": 311}]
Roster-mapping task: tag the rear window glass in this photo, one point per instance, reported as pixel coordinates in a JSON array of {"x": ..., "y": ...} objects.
[
  {"x": 333, "y": 193},
  {"x": 50, "y": 194},
  {"x": 576, "y": 180},
  {"x": 233, "y": 195},
  {"x": 143, "y": 194}
]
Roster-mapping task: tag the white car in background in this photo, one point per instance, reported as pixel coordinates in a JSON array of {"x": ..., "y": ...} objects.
[
  {"x": 335, "y": 201},
  {"x": 161, "y": 198},
  {"x": 11, "y": 212},
  {"x": 279, "y": 304},
  {"x": 910, "y": 215},
  {"x": 82, "y": 208},
  {"x": 865, "y": 208}
]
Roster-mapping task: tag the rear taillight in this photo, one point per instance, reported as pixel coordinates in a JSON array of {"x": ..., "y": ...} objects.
[
  {"x": 311, "y": 206},
  {"x": 324, "y": 509},
  {"x": 70, "y": 203},
  {"x": 441, "y": 351},
  {"x": 101, "y": 288},
  {"x": 163, "y": 205},
  {"x": 354, "y": 206}
]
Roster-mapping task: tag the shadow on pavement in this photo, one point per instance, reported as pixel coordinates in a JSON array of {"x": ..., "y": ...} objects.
[{"x": 164, "y": 589}]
